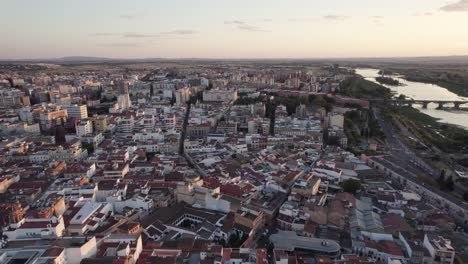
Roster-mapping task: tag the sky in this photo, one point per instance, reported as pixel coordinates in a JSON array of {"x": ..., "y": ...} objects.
[{"x": 232, "y": 28}]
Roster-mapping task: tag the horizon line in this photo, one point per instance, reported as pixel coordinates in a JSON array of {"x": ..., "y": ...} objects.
[{"x": 84, "y": 57}]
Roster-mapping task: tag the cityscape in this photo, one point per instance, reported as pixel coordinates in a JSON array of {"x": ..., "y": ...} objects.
[{"x": 125, "y": 143}]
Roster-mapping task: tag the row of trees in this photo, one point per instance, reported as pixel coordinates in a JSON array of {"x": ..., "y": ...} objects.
[
  {"x": 291, "y": 102},
  {"x": 445, "y": 183},
  {"x": 361, "y": 88}
]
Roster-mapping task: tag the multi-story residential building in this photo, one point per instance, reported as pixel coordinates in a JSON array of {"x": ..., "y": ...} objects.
[
  {"x": 124, "y": 102},
  {"x": 99, "y": 123},
  {"x": 93, "y": 139},
  {"x": 126, "y": 124},
  {"x": 13, "y": 97},
  {"x": 76, "y": 111},
  {"x": 298, "y": 127},
  {"x": 36, "y": 229},
  {"x": 227, "y": 127},
  {"x": 198, "y": 131},
  {"x": 440, "y": 249},
  {"x": 7, "y": 180},
  {"x": 307, "y": 185},
  {"x": 217, "y": 95},
  {"x": 51, "y": 117},
  {"x": 148, "y": 122},
  {"x": 194, "y": 194},
  {"x": 19, "y": 127},
  {"x": 433, "y": 195},
  {"x": 72, "y": 151},
  {"x": 11, "y": 213},
  {"x": 84, "y": 127},
  {"x": 182, "y": 95},
  {"x": 116, "y": 170}
]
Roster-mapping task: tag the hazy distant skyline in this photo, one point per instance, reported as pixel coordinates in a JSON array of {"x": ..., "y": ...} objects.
[{"x": 233, "y": 29}]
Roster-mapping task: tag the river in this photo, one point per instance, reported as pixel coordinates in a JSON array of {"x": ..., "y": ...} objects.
[{"x": 424, "y": 91}]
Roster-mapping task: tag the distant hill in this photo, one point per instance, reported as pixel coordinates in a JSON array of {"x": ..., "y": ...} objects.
[
  {"x": 89, "y": 59},
  {"x": 70, "y": 59},
  {"x": 425, "y": 59},
  {"x": 81, "y": 58}
]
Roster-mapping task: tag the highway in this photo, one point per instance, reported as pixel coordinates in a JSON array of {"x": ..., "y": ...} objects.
[{"x": 399, "y": 151}]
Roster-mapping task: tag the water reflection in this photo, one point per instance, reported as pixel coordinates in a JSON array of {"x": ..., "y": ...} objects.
[{"x": 424, "y": 91}]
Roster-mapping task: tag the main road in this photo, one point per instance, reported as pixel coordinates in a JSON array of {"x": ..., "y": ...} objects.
[{"x": 398, "y": 149}]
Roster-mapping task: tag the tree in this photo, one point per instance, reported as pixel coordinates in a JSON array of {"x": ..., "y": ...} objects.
[
  {"x": 311, "y": 98},
  {"x": 329, "y": 99},
  {"x": 328, "y": 108},
  {"x": 441, "y": 179},
  {"x": 465, "y": 197},
  {"x": 232, "y": 241},
  {"x": 88, "y": 147},
  {"x": 351, "y": 186},
  {"x": 449, "y": 183}
]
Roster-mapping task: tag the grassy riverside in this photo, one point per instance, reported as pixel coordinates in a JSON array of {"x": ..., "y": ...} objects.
[
  {"x": 388, "y": 81},
  {"x": 452, "y": 77},
  {"x": 446, "y": 137},
  {"x": 457, "y": 86},
  {"x": 359, "y": 87}
]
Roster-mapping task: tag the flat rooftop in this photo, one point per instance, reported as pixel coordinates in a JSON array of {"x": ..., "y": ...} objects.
[{"x": 290, "y": 241}]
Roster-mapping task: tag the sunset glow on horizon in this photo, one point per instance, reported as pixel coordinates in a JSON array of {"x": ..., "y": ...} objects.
[{"x": 233, "y": 29}]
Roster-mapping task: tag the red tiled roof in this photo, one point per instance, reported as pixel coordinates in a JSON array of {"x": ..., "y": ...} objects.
[
  {"x": 211, "y": 183},
  {"x": 52, "y": 252},
  {"x": 41, "y": 224}
]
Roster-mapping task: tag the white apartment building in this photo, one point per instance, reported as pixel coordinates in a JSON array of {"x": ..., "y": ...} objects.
[
  {"x": 123, "y": 101},
  {"x": 83, "y": 128},
  {"x": 217, "y": 95},
  {"x": 440, "y": 249},
  {"x": 94, "y": 139},
  {"x": 126, "y": 124},
  {"x": 76, "y": 111},
  {"x": 182, "y": 95},
  {"x": 36, "y": 229}
]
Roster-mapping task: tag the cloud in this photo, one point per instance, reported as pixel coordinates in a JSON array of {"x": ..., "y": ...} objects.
[
  {"x": 237, "y": 22},
  {"x": 423, "y": 14},
  {"x": 376, "y": 19},
  {"x": 180, "y": 32},
  {"x": 244, "y": 26},
  {"x": 101, "y": 34},
  {"x": 135, "y": 35},
  {"x": 121, "y": 44},
  {"x": 300, "y": 20},
  {"x": 251, "y": 28},
  {"x": 128, "y": 16},
  {"x": 138, "y": 35},
  {"x": 458, "y": 6},
  {"x": 335, "y": 17}
]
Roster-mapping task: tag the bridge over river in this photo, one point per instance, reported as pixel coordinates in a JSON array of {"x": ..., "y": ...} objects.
[{"x": 441, "y": 103}]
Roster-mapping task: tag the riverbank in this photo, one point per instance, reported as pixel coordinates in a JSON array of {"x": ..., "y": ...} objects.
[
  {"x": 453, "y": 79},
  {"x": 359, "y": 87},
  {"x": 448, "y": 138},
  {"x": 423, "y": 91},
  {"x": 388, "y": 81}
]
